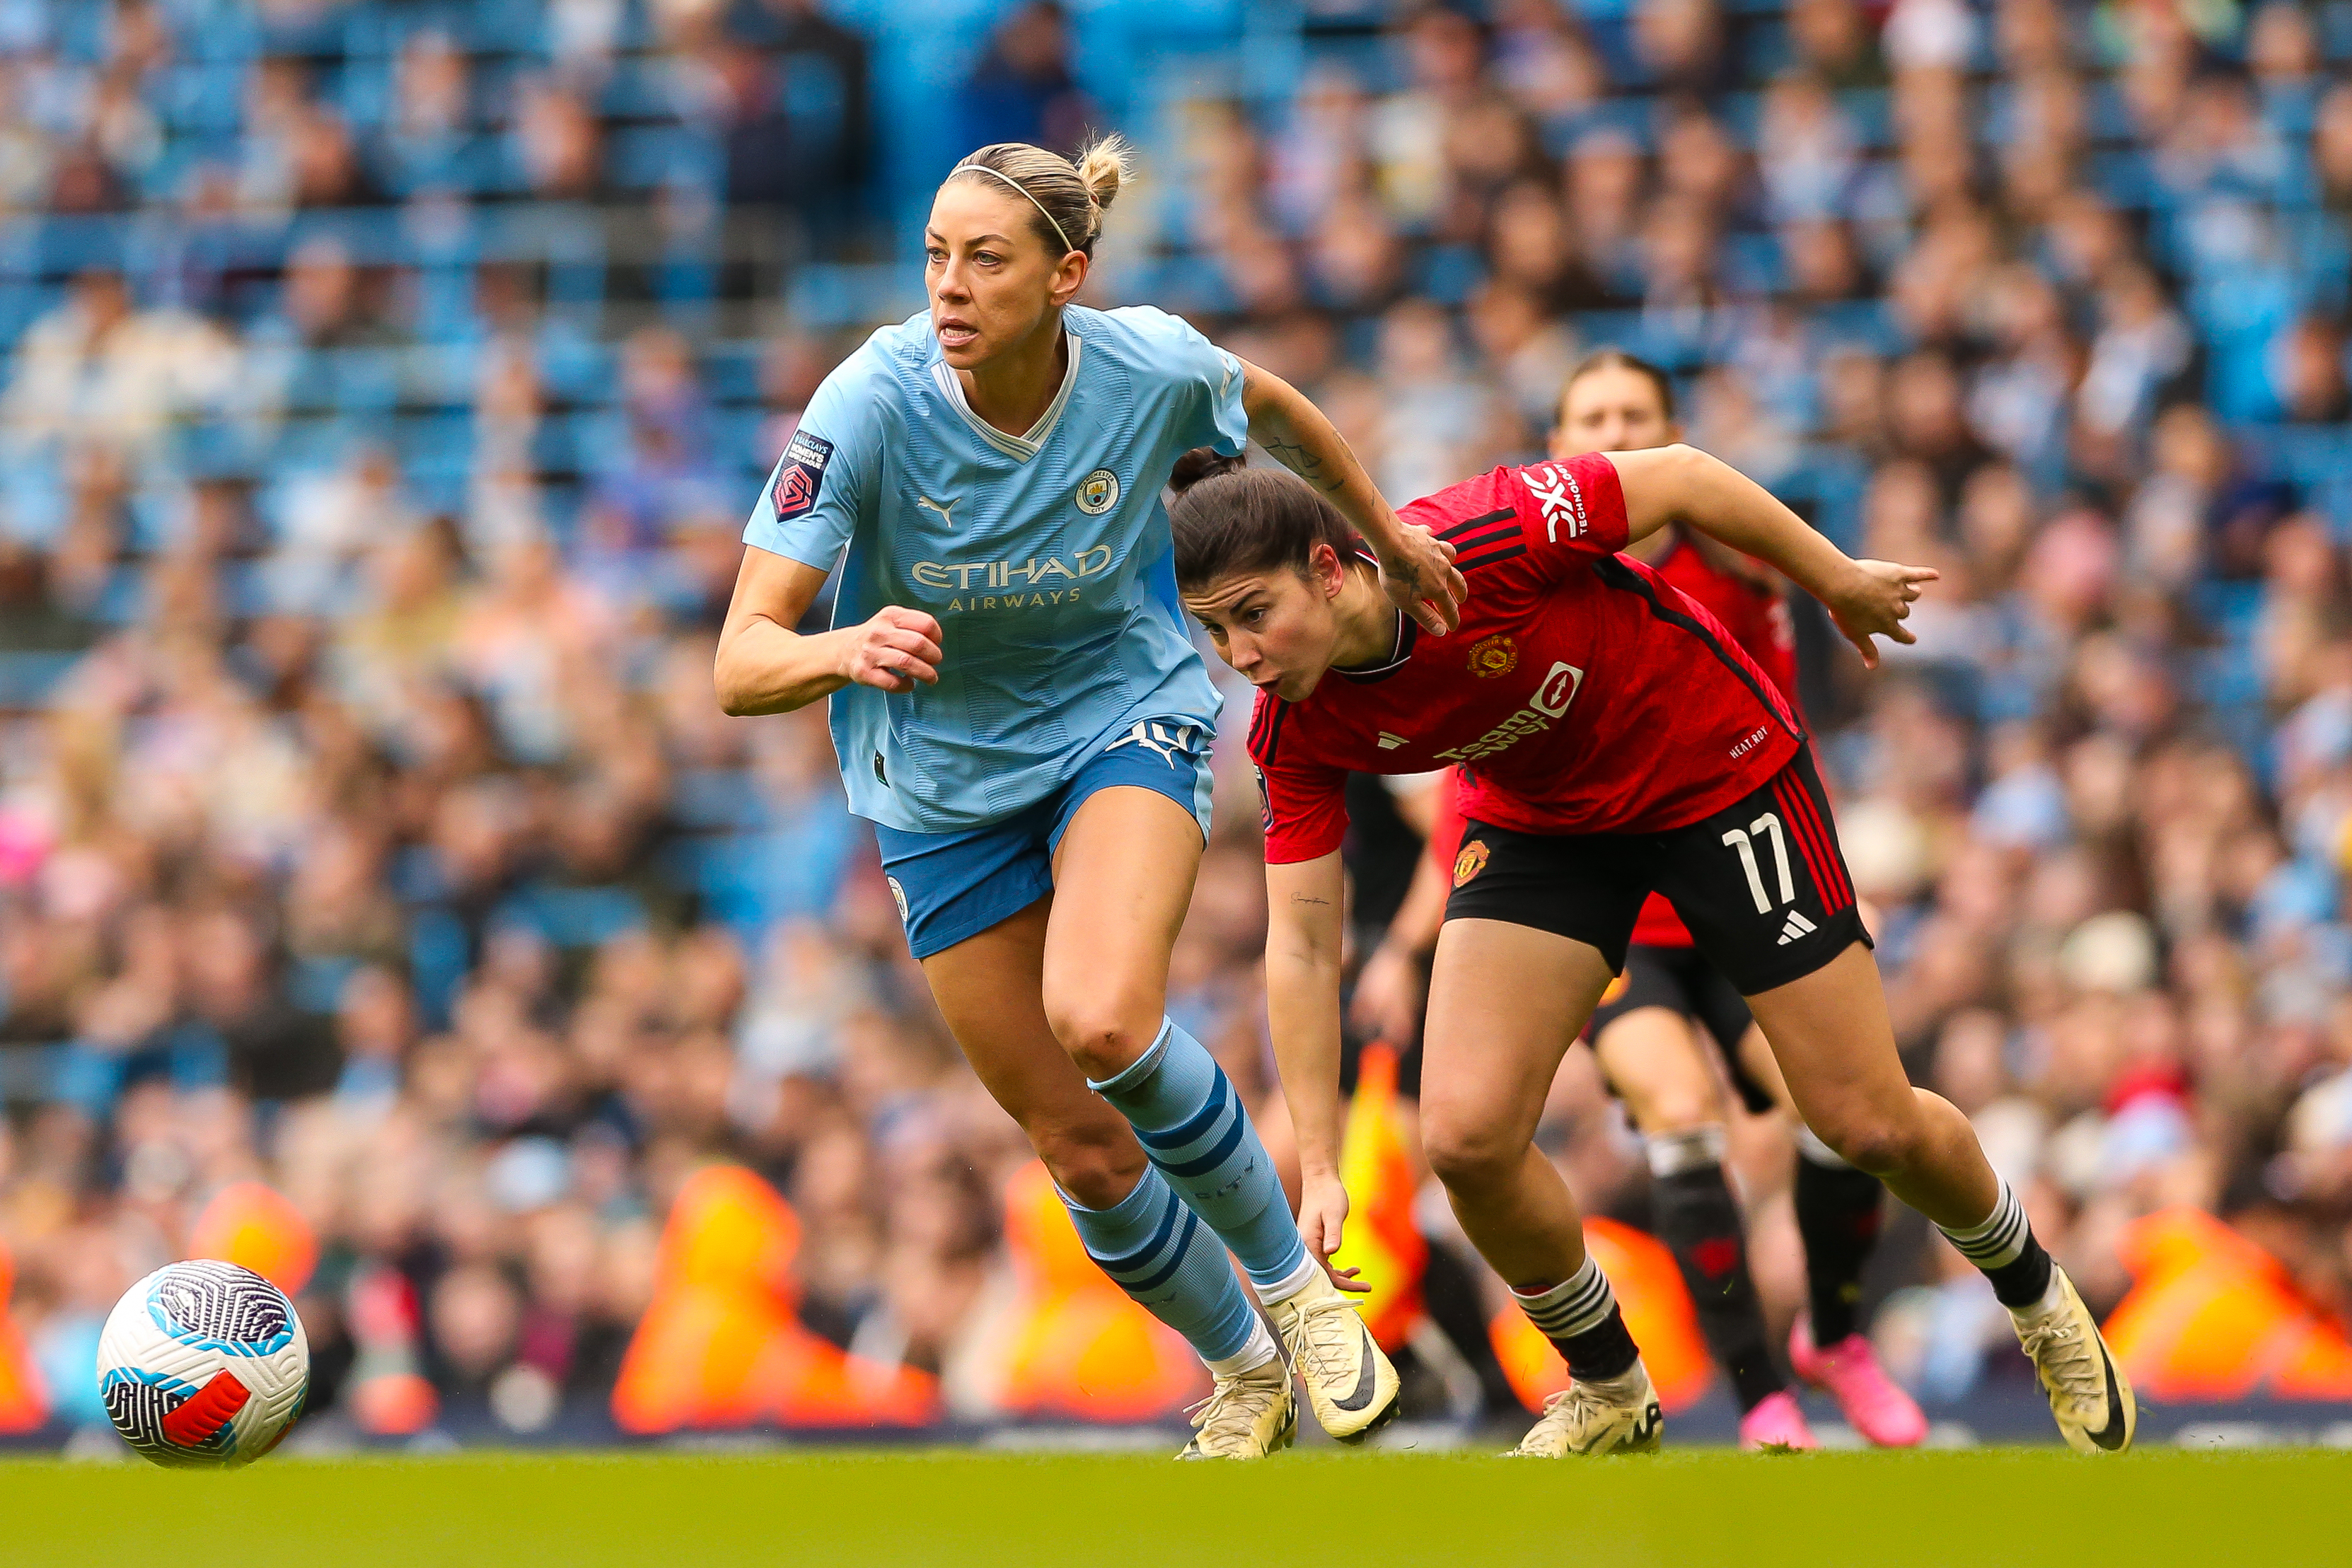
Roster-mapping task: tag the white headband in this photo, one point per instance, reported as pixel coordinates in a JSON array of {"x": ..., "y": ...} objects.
[{"x": 984, "y": 169}]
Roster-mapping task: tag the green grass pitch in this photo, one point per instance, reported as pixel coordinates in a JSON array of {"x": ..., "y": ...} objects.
[{"x": 2014, "y": 1507}]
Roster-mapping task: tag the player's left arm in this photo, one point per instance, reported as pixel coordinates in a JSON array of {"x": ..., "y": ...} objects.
[
  {"x": 1416, "y": 567},
  {"x": 1678, "y": 483}
]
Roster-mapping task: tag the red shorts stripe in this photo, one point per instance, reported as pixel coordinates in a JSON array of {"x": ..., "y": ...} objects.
[
  {"x": 1817, "y": 809},
  {"x": 1836, "y": 891},
  {"x": 1800, "y": 830}
]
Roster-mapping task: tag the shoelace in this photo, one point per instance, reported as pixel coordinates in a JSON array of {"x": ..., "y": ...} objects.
[
  {"x": 1231, "y": 1396},
  {"x": 2074, "y": 1369},
  {"x": 1570, "y": 1407},
  {"x": 1321, "y": 1330}
]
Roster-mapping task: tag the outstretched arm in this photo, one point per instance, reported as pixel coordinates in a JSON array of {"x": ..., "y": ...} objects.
[
  {"x": 1302, "y": 1003},
  {"x": 1867, "y": 599},
  {"x": 1416, "y": 567},
  {"x": 765, "y": 666}
]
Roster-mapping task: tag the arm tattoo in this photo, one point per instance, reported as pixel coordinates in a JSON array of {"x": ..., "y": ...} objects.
[
  {"x": 1305, "y": 898},
  {"x": 1305, "y": 464}
]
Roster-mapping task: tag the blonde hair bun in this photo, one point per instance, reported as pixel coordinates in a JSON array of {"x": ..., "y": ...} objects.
[{"x": 1104, "y": 165}]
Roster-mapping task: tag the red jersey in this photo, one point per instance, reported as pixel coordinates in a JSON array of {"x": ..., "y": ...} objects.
[
  {"x": 1759, "y": 618},
  {"x": 1582, "y": 693}
]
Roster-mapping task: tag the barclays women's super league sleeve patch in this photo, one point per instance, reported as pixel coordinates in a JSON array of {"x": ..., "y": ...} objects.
[{"x": 801, "y": 474}]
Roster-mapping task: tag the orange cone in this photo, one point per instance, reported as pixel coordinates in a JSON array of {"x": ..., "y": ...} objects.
[
  {"x": 389, "y": 1396},
  {"x": 1658, "y": 1314},
  {"x": 1079, "y": 1348},
  {"x": 720, "y": 1347},
  {"x": 2211, "y": 1316},
  {"x": 24, "y": 1401},
  {"x": 1382, "y": 1242},
  {"x": 253, "y": 1226}
]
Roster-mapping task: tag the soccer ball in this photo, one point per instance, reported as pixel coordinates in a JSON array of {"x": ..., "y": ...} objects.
[{"x": 204, "y": 1363}]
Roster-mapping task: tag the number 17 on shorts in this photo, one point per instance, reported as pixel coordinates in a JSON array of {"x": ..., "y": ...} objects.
[{"x": 1761, "y": 884}]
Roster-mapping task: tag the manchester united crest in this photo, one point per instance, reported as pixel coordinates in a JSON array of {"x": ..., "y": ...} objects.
[
  {"x": 1470, "y": 862},
  {"x": 1495, "y": 655}
]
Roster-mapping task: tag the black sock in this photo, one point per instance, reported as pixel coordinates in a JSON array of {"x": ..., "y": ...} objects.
[
  {"x": 1605, "y": 1351},
  {"x": 1582, "y": 1320},
  {"x": 1699, "y": 1222},
  {"x": 2004, "y": 1247},
  {"x": 1838, "y": 1211}
]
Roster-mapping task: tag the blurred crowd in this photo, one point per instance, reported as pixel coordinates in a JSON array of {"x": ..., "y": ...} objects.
[{"x": 368, "y": 827}]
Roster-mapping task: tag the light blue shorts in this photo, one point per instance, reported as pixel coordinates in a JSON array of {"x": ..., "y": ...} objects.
[{"x": 953, "y": 886}]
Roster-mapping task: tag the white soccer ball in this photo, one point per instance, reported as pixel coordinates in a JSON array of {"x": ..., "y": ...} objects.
[{"x": 204, "y": 1363}]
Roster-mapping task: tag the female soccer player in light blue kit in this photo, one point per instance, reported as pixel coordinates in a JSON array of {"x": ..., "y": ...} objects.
[{"x": 1017, "y": 707}]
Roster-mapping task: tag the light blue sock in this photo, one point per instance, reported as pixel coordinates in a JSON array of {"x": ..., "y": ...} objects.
[
  {"x": 1160, "y": 1253},
  {"x": 1195, "y": 1130}
]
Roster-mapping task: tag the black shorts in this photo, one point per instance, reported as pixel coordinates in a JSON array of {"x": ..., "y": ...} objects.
[
  {"x": 1761, "y": 884},
  {"x": 1681, "y": 980}
]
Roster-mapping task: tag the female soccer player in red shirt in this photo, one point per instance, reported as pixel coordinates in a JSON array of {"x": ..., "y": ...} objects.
[{"x": 1613, "y": 741}]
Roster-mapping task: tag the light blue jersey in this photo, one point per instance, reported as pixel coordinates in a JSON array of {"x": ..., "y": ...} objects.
[{"x": 1045, "y": 557}]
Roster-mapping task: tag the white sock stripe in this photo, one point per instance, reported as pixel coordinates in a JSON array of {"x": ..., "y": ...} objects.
[
  {"x": 1306, "y": 1274},
  {"x": 1259, "y": 1350},
  {"x": 1691, "y": 1149},
  {"x": 1575, "y": 1296},
  {"x": 1578, "y": 1306},
  {"x": 2001, "y": 1239}
]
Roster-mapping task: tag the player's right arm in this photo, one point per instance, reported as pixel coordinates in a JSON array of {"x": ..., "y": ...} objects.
[
  {"x": 804, "y": 518},
  {"x": 766, "y": 666},
  {"x": 1304, "y": 934}
]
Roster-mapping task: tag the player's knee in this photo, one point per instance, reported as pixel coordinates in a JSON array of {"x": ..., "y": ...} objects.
[
  {"x": 1469, "y": 1156},
  {"x": 1882, "y": 1147},
  {"x": 1104, "y": 1040}
]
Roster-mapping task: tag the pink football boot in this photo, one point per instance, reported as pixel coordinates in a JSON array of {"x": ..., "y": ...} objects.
[
  {"x": 1850, "y": 1373},
  {"x": 1777, "y": 1423}
]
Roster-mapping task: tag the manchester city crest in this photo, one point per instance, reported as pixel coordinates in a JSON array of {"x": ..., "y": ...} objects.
[{"x": 1099, "y": 492}]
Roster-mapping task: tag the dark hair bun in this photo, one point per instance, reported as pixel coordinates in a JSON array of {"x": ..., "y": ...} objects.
[{"x": 1202, "y": 463}]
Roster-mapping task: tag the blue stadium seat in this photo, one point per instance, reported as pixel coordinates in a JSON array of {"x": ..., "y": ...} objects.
[
  {"x": 573, "y": 916},
  {"x": 28, "y": 679}
]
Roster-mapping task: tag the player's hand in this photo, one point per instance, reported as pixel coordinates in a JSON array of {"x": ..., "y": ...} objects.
[
  {"x": 894, "y": 650},
  {"x": 1388, "y": 1000},
  {"x": 1419, "y": 577},
  {"x": 1874, "y": 601},
  {"x": 1322, "y": 1216}
]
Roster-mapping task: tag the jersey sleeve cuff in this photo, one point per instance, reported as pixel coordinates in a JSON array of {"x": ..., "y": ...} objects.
[{"x": 1292, "y": 853}]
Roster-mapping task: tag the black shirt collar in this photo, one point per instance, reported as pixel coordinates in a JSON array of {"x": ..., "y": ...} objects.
[{"x": 1408, "y": 636}]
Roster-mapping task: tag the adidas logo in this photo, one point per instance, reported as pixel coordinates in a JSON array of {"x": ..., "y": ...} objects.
[
  {"x": 1391, "y": 742},
  {"x": 1798, "y": 925}
]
